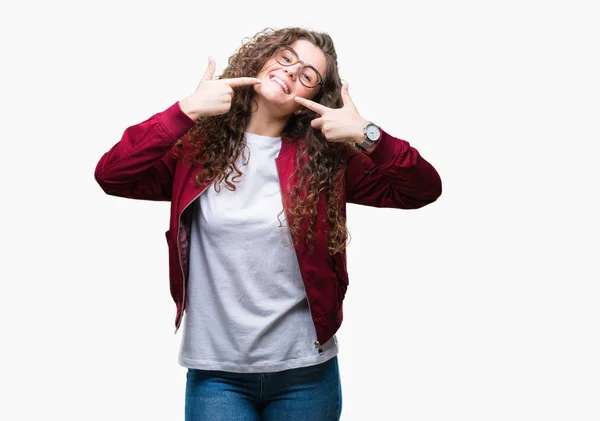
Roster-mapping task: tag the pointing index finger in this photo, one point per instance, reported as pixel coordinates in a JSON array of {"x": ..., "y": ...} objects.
[
  {"x": 241, "y": 81},
  {"x": 311, "y": 105}
]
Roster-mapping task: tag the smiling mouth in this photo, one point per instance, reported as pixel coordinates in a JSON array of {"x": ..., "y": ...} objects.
[{"x": 281, "y": 83}]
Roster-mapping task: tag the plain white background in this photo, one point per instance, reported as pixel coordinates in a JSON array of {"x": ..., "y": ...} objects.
[{"x": 481, "y": 306}]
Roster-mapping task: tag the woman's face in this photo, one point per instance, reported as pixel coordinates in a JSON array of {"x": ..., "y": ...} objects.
[{"x": 281, "y": 83}]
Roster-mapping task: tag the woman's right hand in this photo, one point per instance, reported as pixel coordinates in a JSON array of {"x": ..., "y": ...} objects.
[{"x": 213, "y": 97}]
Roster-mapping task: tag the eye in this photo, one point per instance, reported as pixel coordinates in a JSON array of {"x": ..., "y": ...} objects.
[{"x": 306, "y": 77}]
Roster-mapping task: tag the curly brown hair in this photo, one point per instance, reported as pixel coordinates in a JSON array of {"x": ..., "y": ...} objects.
[{"x": 320, "y": 164}]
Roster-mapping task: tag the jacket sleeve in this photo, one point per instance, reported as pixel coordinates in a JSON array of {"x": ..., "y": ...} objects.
[
  {"x": 141, "y": 165},
  {"x": 393, "y": 175}
]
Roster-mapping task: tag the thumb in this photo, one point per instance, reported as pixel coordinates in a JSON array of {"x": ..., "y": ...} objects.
[
  {"x": 210, "y": 70},
  {"x": 346, "y": 95},
  {"x": 317, "y": 123}
]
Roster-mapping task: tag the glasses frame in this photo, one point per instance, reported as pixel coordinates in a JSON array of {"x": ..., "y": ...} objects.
[{"x": 304, "y": 65}]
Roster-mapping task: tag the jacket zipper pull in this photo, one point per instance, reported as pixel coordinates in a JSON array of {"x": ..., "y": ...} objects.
[{"x": 318, "y": 347}]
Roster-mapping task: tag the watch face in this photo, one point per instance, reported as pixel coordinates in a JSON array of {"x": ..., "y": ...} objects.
[{"x": 372, "y": 132}]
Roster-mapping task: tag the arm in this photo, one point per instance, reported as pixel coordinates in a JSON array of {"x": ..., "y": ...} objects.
[
  {"x": 392, "y": 175},
  {"x": 141, "y": 164}
]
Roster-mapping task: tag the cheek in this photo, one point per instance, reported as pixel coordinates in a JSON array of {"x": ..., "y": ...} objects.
[
  {"x": 266, "y": 68},
  {"x": 305, "y": 92}
]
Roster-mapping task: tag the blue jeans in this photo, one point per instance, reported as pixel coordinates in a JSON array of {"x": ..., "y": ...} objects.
[{"x": 311, "y": 393}]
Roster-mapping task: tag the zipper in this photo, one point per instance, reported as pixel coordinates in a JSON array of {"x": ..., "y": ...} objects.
[
  {"x": 317, "y": 344},
  {"x": 179, "y": 255}
]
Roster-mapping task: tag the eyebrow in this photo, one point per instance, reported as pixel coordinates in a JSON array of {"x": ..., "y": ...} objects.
[
  {"x": 298, "y": 55},
  {"x": 295, "y": 52}
]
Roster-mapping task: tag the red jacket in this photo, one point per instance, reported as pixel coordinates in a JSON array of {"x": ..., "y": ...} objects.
[{"x": 142, "y": 166}]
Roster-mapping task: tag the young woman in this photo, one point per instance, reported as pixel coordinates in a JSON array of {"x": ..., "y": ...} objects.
[{"x": 258, "y": 165}]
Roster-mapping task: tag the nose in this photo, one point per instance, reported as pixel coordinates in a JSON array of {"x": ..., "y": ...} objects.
[{"x": 292, "y": 70}]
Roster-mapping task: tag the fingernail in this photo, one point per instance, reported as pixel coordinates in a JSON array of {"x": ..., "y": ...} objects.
[
  {"x": 259, "y": 80},
  {"x": 297, "y": 98}
]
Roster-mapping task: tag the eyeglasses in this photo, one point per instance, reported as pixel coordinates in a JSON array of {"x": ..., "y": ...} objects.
[{"x": 308, "y": 75}]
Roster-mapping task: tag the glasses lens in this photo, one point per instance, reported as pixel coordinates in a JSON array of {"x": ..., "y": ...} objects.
[
  {"x": 286, "y": 57},
  {"x": 309, "y": 76}
]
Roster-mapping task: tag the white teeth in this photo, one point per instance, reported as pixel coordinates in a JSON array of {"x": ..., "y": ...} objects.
[{"x": 280, "y": 82}]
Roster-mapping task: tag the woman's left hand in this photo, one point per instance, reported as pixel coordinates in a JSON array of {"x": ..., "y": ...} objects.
[{"x": 338, "y": 124}]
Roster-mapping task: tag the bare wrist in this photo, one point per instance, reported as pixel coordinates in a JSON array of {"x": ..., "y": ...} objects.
[
  {"x": 360, "y": 131},
  {"x": 187, "y": 108}
]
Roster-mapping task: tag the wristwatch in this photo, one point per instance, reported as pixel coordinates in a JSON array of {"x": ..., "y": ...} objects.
[{"x": 372, "y": 136}]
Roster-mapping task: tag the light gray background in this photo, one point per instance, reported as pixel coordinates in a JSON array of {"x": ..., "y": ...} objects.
[{"x": 481, "y": 306}]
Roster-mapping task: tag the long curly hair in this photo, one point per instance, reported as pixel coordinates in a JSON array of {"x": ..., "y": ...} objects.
[{"x": 320, "y": 165}]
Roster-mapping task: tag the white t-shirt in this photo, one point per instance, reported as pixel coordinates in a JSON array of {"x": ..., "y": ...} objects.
[{"x": 246, "y": 306}]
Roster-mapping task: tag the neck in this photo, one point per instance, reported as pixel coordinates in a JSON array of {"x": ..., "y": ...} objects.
[{"x": 266, "y": 122}]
